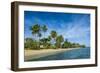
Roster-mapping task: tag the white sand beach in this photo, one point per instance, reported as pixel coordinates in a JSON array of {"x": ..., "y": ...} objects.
[{"x": 29, "y": 54}]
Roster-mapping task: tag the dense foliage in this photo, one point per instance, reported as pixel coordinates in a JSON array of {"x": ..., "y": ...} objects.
[{"x": 53, "y": 41}]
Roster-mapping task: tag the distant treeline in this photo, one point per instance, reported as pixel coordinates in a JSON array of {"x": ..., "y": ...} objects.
[{"x": 53, "y": 41}]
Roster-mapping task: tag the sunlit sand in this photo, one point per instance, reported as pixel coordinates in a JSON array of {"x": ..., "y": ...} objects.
[{"x": 30, "y": 54}]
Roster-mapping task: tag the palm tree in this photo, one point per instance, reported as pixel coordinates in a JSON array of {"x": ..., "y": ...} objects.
[
  {"x": 59, "y": 40},
  {"x": 44, "y": 29},
  {"x": 35, "y": 30},
  {"x": 49, "y": 38},
  {"x": 53, "y": 34},
  {"x": 39, "y": 34},
  {"x": 66, "y": 44}
]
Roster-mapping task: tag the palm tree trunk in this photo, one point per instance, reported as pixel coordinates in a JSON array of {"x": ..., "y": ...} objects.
[
  {"x": 44, "y": 40},
  {"x": 39, "y": 42},
  {"x": 36, "y": 41}
]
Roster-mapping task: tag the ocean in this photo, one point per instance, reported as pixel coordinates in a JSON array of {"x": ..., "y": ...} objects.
[{"x": 82, "y": 53}]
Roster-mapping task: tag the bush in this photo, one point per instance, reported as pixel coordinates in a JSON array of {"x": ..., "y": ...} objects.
[{"x": 31, "y": 44}]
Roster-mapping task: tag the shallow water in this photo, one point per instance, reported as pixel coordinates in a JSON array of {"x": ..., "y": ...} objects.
[{"x": 82, "y": 53}]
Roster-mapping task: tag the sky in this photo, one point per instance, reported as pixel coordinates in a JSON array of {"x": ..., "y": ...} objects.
[{"x": 74, "y": 27}]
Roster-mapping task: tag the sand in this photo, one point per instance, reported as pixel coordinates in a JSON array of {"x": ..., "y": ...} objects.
[{"x": 30, "y": 54}]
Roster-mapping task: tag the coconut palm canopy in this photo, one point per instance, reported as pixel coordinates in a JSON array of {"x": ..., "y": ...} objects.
[{"x": 57, "y": 27}]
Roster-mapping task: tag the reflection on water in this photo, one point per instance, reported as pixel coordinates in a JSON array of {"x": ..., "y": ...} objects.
[{"x": 82, "y": 53}]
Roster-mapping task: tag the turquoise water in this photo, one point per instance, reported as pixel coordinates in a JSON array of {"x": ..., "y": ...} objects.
[{"x": 82, "y": 53}]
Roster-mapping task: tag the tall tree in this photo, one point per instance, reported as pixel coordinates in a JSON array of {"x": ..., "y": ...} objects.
[
  {"x": 49, "y": 38},
  {"x": 59, "y": 40},
  {"x": 44, "y": 29},
  {"x": 35, "y": 30},
  {"x": 54, "y": 35},
  {"x": 39, "y": 35}
]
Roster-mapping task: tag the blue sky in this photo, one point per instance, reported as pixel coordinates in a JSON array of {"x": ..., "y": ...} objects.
[{"x": 73, "y": 26}]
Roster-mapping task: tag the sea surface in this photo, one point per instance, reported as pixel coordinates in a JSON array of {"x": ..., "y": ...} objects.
[{"x": 82, "y": 53}]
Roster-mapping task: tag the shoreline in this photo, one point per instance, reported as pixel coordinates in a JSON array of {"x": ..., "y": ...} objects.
[{"x": 29, "y": 54}]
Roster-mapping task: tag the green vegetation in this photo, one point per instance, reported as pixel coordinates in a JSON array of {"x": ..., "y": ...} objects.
[
  {"x": 46, "y": 42},
  {"x": 59, "y": 40}
]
